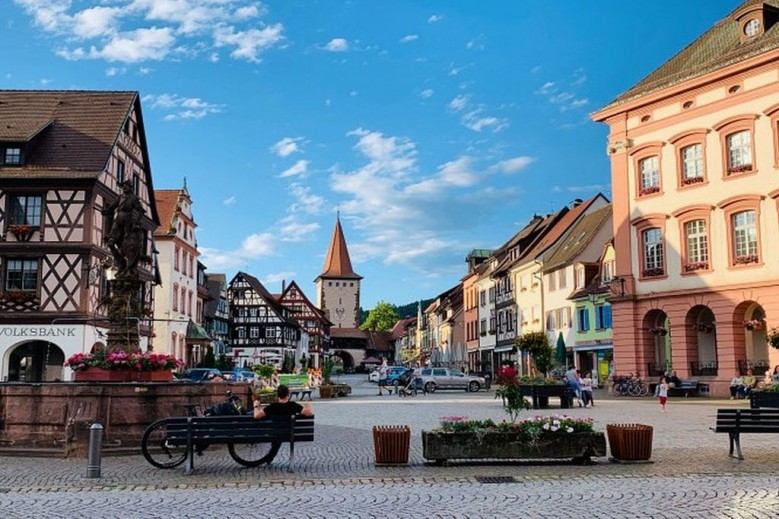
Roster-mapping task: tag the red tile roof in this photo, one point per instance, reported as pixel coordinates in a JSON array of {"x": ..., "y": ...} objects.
[
  {"x": 337, "y": 263},
  {"x": 167, "y": 203}
]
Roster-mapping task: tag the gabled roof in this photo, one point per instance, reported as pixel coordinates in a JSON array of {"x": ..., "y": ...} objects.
[
  {"x": 294, "y": 286},
  {"x": 337, "y": 263},
  {"x": 167, "y": 204},
  {"x": 580, "y": 236},
  {"x": 401, "y": 328},
  {"x": 540, "y": 226},
  {"x": 77, "y": 129},
  {"x": 717, "y": 48},
  {"x": 258, "y": 287}
]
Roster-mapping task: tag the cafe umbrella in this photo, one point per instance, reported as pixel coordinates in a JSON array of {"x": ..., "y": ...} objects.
[{"x": 560, "y": 353}]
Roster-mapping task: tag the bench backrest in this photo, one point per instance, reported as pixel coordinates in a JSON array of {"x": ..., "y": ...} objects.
[
  {"x": 748, "y": 420},
  {"x": 228, "y": 429}
]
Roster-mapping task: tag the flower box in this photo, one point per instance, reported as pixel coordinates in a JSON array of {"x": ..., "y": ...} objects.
[
  {"x": 692, "y": 180},
  {"x": 653, "y": 272},
  {"x": 740, "y": 169},
  {"x": 159, "y": 375},
  {"x": 21, "y": 232},
  {"x": 696, "y": 265},
  {"x": 746, "y": 260},
  {"x": 649, "y": 190},
  {"x": 443, "y": 446},
  {"x": 93, "y": 374}
]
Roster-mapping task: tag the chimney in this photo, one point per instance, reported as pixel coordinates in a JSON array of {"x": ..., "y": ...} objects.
[
  {"x": 576, "y": 202},
  {"x": 283, "y": 285}
]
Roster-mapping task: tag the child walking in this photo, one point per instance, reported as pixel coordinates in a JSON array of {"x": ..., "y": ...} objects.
[{"x": 662, "y": 393}]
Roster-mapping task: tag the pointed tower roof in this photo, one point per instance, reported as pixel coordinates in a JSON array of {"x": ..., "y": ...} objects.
[{"x": 337, "y": 262}]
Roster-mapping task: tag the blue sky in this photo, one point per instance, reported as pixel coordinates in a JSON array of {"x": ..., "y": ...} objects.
[{"x": 434, "y": 127}]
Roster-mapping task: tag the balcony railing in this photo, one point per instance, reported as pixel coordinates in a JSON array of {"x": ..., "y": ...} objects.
[
  {"x": 758, "y": 367},
  {"x": 655, "y": 369},
  {"x": 704, "y": 369}
]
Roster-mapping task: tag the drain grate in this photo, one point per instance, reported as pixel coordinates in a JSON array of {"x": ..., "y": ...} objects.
[{"x": 496, "y": 479}]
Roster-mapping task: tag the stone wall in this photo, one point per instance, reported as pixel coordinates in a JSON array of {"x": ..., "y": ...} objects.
[{"x": 54, "y": 418}]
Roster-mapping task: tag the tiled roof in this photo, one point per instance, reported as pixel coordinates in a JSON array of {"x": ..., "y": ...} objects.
[
  {"x": 267, "y": 296},
  {"x": 718, "y": 47},
  {"x": 540, "y": 226},
  {"x": 76, "y": 130},
  {"x": 337, "y": 263},
  {"x": 580, "y": 236},
  {"x": 167, "y": 203},
  {"x": 348, "y": 333}
]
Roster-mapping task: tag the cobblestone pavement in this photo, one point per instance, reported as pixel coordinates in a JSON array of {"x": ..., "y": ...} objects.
[{"x": 335, "y": 476}]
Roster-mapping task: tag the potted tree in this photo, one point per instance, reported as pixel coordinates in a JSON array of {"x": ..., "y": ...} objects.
[
  {"x": 326, "y": 389},
  {"x": 265, "y": 392}
]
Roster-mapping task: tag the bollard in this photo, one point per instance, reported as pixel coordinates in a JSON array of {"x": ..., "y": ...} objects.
[{"x": 95, "y": 450}]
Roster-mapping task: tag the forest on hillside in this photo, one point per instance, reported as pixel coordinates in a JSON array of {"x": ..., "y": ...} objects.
[{"x": 407, "y": 310}]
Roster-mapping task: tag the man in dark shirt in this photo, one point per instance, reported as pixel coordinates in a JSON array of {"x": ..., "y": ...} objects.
[{"x": 280, "y": 408}]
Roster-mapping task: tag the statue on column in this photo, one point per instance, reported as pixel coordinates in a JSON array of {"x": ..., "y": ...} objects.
[{"x": 124, "y": 232}]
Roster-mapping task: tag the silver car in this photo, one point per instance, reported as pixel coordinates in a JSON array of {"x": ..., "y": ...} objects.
[{"x": 448, "y": 378}]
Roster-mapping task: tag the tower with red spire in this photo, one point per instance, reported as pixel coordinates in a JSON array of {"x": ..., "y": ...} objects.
[{"x": 338, "y": 286}]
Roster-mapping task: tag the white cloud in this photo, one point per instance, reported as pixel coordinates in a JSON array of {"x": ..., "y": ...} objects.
[
  {"x": 129, "y": 47},
  {"x": 95, "y": 21},
  {"x": 409, "y": 38},
  {"x": 337, "y": 45},
  {"x": 115, "y": 71},
  {"x": 435, "y": 18},
  {"x": 293, "y": 230},
  {"x": 476, "y": 43},
  {"x": 145, "y": 71},
  {"x": 179, "y": 107},
  {"x": 286, "y": 146},
  {"x": 248, "y": 44},
  {"x": 254, "y": 246},
  {"x": 304, "y": 200},
  {"x": 477, "y": 122},
  {"x": 427, "y": 93},
  {"x": 278, "y": 277},
  {"x": 459, "y": 102},
  {"x": 299, "y": 168},
  {"x": 50, "y": 15},
  {"x": 513, "y": 165},
  {"x": 231, "y": 200},
  {"x": 592, "y": 188},
  {"x": 563, "y": 98}
]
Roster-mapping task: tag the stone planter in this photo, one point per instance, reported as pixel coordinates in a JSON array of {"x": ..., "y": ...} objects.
[
  {"x": 441, "y": 446},
  {"x": 158, "y": 375},
  {"x": 758, "y": 399},
  {"x": 103, "y": 375}
]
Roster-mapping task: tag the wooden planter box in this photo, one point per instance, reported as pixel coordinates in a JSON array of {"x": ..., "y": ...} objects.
[
  {"x": 440, "y": 447},
  {"x": 759, "y": 399}
]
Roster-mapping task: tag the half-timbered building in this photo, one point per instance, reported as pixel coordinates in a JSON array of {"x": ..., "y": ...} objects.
[
  {"x": 262, "y": 330},
  {"x": 63, "y": 158},
  {"x": 310, "y": 318}
]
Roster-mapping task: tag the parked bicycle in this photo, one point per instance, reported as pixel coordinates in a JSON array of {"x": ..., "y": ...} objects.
[
  {"x": 625, "y": 386},
  {"x": 164, "y": 445}
]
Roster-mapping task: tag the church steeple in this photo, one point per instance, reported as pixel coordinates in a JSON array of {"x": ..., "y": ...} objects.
[{"x": 337, "y": 263}]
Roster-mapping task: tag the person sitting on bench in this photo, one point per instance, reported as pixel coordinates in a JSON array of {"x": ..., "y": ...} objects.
[{"x": 280, "y": 408}]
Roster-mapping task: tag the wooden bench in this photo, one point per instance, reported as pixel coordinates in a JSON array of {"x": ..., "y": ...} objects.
[
  {"x": 685, "y": 388},
  {"x": 195, "y": 432},
  {"x": 737, "y": 421},
  {"x": 300, "y": 392}
]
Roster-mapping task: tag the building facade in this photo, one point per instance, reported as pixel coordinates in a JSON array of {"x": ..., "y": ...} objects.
[{"x": 694, "y": 151}]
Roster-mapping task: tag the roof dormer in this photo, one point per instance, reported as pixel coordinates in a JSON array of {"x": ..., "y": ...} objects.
[{"x": 755, "y": 20}]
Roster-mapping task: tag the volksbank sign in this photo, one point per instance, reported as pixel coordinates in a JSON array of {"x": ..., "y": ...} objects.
[{"x": 37, "y": 331}]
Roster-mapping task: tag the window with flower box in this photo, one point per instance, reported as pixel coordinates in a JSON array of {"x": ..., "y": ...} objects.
[
  {"x": 773, "y": 113},
  {"x": 26, "y": 210},
  {"x": 737, "y": 141},
  {"x": 742, "y": 215},
  {"x": 646, "y": 164},
  {"x": 697, "y": 242},
  {"x": 690, "y": 157}
]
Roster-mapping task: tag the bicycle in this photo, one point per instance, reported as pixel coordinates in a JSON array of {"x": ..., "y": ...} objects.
[
  {"x": 629, "y": 387},
  {"x": 164, "y": 443}
]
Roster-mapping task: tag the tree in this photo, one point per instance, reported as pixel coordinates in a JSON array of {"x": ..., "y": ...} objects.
[
  {"x": 537, "y": 346},
  {"x": 209, "y": 361},
  {"x": 223, "y": 363},
  {"x": 382, "y": 318}
]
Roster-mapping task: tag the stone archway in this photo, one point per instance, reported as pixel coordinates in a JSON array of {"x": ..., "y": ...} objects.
[
  {"x": 702, "y": 341},
  {"x": 35, "y": 361},
  {"x": 345, "y": 358},
  {"x": 750, "y": 317},
  {"x": 656, "y": 342}
]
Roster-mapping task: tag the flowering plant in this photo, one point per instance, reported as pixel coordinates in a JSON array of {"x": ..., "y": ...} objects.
[
  {"x": 510, "y": 392},
  {"x": 702, "y": 327},
  {"x": 18, "y": 296},
  {"x": 696, "y": 265},
  {"x": 17, "y": 228},
  {"x": 746, "y": 260},
  {"x": 648, "y": 190},
  {"x": 772, "y": 337},
  {"x": 531, "y": 428},
  {"x": 121, "y": 360},
  {"x": 740, "y": 168},
  {"x": 753, "y": 324},
  {"x": 657, "y": 271},
  {"x": 691, "y": 180}
]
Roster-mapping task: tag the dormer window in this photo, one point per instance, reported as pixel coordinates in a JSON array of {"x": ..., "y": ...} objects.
[
  {"x": 752, "y": 28},
  {"x": 12, "y": 156}
]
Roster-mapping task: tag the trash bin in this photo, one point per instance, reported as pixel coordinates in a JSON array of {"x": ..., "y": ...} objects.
[
  {"x": 391, "y": 444},
  {"x": 630, "y": 442}
]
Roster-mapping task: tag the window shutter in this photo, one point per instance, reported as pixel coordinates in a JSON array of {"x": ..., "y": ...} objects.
[{"x": 607, "y": 315}]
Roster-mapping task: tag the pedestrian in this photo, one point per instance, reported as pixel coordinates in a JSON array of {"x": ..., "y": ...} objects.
[
  {"x": 383, "y": 370},
  {"x": 586, "y": 383},
  {"x": 663, "y": 393},
  {"x": 572, "y": 378}
]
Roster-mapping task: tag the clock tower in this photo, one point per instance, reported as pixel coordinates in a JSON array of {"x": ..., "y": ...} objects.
[{"x": 338, "y": 286}]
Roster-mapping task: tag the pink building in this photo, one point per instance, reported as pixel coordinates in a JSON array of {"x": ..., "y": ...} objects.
[{"x": 694, "y": 151}]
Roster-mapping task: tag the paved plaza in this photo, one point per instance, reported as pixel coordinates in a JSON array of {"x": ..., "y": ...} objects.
[{"x": 692, "y": 475}]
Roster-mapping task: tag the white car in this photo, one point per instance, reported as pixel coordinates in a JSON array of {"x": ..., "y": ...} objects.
[{"x": 374, "y": 376}]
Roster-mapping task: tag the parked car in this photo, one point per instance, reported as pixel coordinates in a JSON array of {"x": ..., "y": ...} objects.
[
  {"x": 448, "y": 378},
  {"x": 200, "y": 374},
  {"x": 238, "y": 375},
  {"x": 393, "y": 372}
]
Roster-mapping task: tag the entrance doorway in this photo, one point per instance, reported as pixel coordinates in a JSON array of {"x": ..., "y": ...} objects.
[{"x": 36, "y": 361}]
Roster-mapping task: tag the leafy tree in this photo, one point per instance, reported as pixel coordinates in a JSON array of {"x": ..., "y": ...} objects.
[
  {"x": 537, "y": 346},
  {"x": 209, "y": 361},
  {"x": 382, "y": 318},
  {"x": 223, "y": 363}
]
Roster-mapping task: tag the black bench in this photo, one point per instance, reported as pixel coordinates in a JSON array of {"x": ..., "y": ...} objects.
[
  {"x": 685, "y": 388},
  {"x": 300, "y": 392},
  {"x": 737, "y": 421},
  {"x": 192, "y": 433}
]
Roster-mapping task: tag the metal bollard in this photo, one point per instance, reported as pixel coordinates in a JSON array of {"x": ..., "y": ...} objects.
[{"x": 95, "y": 450}]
